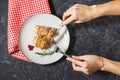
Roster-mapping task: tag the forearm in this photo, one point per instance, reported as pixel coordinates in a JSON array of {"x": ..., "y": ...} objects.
[
  {"x": 109, "y": 8},
  {"x": 111, "y": 66}
]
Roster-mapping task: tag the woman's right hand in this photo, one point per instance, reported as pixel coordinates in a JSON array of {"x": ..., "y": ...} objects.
[
  {"x": 78, "y": 14},
  {"x": 86, "y": 63}
]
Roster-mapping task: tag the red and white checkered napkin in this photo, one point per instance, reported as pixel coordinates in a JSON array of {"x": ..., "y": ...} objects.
[{"x": 18, "y": 12}]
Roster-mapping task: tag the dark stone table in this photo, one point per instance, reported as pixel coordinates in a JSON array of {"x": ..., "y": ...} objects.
[{"x": 100, "y": 36}]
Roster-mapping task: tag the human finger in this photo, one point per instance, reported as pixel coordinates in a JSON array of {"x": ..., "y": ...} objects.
[
  {"x": 66, "y": 14},
  {"x": 77, "y": 57},
  {"x": 77, "y": 62},
  {"x": 82, "y": 57},
  {"x": 78, "y": 68},
  {"x": 70, "y": 9},
  {"x": 68, "y": 20},
  {"x": 78, "y": 21},
  {"x": 75, "y": 6}
]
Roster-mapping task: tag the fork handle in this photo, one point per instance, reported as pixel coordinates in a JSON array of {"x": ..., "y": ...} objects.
[{"x": 65, "y": 54}]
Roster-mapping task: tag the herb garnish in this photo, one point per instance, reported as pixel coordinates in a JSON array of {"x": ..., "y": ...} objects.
[{"x": 45, "y": 53}]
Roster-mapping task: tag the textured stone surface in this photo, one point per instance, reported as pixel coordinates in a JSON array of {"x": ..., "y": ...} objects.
[{"x": 100, "y": 36}]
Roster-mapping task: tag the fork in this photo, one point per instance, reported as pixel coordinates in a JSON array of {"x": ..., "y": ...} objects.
[
  {"x": 61, "y": 31},
  {"x": 58, "y": 30},
  {"x": 56, "y": 49}
]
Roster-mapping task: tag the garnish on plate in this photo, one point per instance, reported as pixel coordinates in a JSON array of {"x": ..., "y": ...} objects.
[
  {"x": 45, "y": 53},
  {"x": 30, "y": 47}
]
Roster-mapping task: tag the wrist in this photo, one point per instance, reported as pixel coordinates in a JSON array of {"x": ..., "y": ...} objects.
[
  {"x": 111, "y": 66},
  {"x": 107, "y": 65},
  {"x": 101, "y": 63},
  {"x": 95, "y": 12},
  {"x": 98, "y": 10}
]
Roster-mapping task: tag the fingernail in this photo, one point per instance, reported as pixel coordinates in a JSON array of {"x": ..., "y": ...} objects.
[
  {"x": 67, "y": 58},
  {"x": 93, "y": 6},
  {"x": 73, "y": 56}
]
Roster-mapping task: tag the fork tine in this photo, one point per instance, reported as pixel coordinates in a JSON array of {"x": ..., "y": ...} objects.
[
  {"x": 56, "y": 49},
  {"x": 59, "y": 29}
]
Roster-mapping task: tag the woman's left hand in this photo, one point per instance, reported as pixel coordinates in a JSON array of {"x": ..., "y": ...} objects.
[
  {"x": 79, "y": 13},
  {"x": 87, "y": 63}
]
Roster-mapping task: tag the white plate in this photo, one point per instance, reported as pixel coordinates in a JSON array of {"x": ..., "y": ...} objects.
[{"x": 26, "y": 34}]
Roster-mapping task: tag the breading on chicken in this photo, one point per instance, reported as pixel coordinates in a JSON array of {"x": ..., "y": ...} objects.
[{"x": 44, "y": 36}]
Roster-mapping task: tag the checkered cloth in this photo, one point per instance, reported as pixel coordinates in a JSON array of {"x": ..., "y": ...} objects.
[{"x": 19, "y": 11}]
